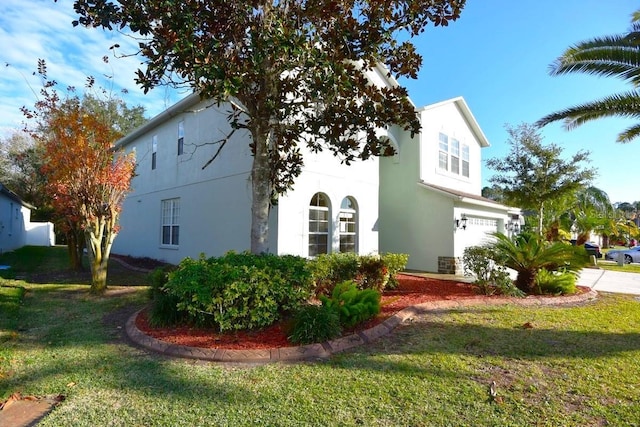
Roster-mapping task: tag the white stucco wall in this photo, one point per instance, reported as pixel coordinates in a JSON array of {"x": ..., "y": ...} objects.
[
  {"x": 215, "y": 202},
  {"x": 447, "y": 118},
  {"x": 419, "y": 219},
  {"x": 323, "y": 173}
]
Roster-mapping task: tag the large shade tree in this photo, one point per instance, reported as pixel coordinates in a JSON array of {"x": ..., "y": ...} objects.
[
  {"x": 608, "y": 56},
  {"x": 532, "y": 174},
  {"x": 20, "y": 163},
  {"x": 292, "y": 71},
  {"x": 86, "y": 178}
]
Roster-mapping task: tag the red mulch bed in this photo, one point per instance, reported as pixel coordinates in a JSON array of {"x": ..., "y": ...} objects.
[{"x": 412, "y": 290}]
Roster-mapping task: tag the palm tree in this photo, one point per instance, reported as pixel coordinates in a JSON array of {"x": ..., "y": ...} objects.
[
  {"x": 528, "y": 253},
  {"x": 618, "y": 56},
  {"x": 592, "y": 212}
]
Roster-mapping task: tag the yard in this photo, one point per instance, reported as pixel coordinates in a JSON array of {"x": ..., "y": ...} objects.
[{"x": 577, "y": 365}]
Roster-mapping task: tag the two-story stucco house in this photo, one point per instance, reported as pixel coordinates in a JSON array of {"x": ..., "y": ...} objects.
[
  {"x": 430, "y": 193},
  {"x": 407, "y": 203}
]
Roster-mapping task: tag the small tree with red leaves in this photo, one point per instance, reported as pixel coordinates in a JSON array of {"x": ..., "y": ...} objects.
[{"x": 86, "y": 178}]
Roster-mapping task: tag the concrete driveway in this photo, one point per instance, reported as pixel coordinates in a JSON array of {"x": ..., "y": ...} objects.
[{"x": 610, "y": 281}]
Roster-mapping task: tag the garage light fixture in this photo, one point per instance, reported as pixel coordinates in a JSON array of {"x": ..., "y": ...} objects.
[{"x": 462, "y": 222}]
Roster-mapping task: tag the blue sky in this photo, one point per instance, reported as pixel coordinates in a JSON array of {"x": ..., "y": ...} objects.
[{"x": 496, "y": 56}]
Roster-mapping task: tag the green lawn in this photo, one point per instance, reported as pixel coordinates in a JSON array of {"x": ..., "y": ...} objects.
[{"x": 577, "y": 366}]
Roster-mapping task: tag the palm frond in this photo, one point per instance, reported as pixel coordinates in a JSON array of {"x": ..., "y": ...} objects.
[
  {"x": 626, "y": 105},
  {"x": 629, "y": 134}
]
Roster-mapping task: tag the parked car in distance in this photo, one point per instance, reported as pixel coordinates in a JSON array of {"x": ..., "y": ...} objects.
[
  {"x": 630, "y": 255},
  {"x": 591, "y": 248}
]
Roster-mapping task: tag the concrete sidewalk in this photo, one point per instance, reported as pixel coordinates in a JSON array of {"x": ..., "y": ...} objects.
[{"x": 610, "y": 281}]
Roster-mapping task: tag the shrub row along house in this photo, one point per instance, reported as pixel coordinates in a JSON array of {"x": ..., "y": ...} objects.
[{"x": 424, "y": 201}]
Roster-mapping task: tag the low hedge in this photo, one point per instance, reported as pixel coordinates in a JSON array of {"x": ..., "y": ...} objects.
[
  {"x": 368, "y": 271},
  {"x": 244, "y": 291},
  {"x": 239, "y": 291}
]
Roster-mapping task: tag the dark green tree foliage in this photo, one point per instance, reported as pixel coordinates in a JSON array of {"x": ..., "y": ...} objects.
[
  {"x": 114, "y": 110},
  {"x": 617, "y": 56},
  {"x": 293, "y": 72},
  {"x": 20, "y": 163},
  {"x": 532, "y": 175}
]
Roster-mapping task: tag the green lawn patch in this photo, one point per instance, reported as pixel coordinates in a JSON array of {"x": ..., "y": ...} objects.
[
  {"x": 548, "y": 366},
  {"x": 613, "y": 266}
]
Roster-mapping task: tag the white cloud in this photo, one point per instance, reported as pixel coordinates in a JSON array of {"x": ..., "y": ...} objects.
[{"x": 41, "y": 29}]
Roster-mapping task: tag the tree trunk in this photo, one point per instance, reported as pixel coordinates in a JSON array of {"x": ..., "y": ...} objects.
[
  {"x": 261, "y": 194},
  {"x": 99, "y": 239},
  {"x": 75, "y": 247},
  {"x": 98, "y": 276},
  {"x": 526, "y": 281},
  {"x": 540, "y": 220}
]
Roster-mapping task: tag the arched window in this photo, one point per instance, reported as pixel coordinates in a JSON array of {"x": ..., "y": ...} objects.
[
  {"x": 319, "y": 225},
  {"x": 348, "y": 225}
]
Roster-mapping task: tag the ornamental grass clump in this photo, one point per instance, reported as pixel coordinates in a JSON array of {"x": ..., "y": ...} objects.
[{"x": 315, "y": 323}]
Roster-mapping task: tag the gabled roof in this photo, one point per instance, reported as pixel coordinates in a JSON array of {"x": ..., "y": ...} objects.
[
  {"x": 176, "y": 109},
  {"x": 13, "y": 196},
  {"x": 469, "y": 198},
  {"x": 466, "y": 113},
  {"x": 194, "y": 98}
]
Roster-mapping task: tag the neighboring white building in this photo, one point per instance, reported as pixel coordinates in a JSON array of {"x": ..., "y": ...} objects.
[
  {"x": 16, "y": 228},
  {"x": 404, "y": 204}
]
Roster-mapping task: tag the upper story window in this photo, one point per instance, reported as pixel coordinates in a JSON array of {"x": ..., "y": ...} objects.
[
  {"x": 453, "y": 156},
  {"x": 348, "y": 225},
  {"x": 154, "y": 151},
  {"x": 319, "y": 210},
  {"x": 465, "y": 161},
  {"x": 443, "y": 155},
  {"x": 171, "y": 222},
  {"x": 180, "y": 138}
]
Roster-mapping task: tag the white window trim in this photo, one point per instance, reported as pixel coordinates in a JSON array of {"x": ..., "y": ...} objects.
[
  {"x": 154, "y": 152},
  {"x": 174, "y": 203},
  {"x": 328, "y": 233},
  {"x": 450, "y": 157},
  {"x": 181, "y": 138},
  {"x": 353, "y": 212}
]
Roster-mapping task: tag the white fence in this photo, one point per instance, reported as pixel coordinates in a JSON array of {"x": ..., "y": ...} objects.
[{"x": 40, "y": 234}]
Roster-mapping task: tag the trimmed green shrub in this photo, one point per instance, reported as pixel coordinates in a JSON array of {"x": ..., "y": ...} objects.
[
  {"x": 330, "y": 269},
  {"x": 369, "y": 271},
  {"x": 490, "y": 277},
  {"x": 240, "y": 291},
  {"x": 352, "y": 304},
  {"x": 164, "y": 307},
  {"x": 394, "y": 263},
  {"x": 315, "y": 323},
  {"x": 556, "y": 283},
  {"x": 372, "y": 273}
]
